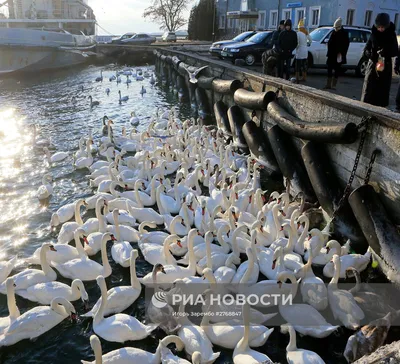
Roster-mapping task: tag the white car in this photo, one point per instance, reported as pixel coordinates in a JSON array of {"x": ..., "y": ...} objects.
[
  {"x": 169, "y": 37},
  {"x": 358, "y": 37}
]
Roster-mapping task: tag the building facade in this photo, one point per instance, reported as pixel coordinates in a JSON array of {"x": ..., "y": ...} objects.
[{"x": 236, "y": 16}]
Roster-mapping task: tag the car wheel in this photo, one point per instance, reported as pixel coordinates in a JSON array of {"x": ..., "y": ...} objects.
[
  {"x": 362, "y": 67},
  {"x": 250, "y": 59}
]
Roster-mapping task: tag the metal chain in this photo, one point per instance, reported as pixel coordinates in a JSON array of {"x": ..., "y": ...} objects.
[
  {"x": 364, "y": 124},
  {"x": 375, "y": 153}
]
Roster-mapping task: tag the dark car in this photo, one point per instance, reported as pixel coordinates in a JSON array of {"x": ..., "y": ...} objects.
[
  {"x": 217, "y": 47},
  {"x": 250, "y": 50},
  {"x": 140, "y": 38},
  {"x": 122, "y": 37}
]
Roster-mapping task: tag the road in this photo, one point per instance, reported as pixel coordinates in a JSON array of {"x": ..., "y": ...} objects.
[{"x": 348, "y": 86}]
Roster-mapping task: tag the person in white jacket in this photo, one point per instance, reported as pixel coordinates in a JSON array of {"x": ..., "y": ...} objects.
[{"x": 301, "y": 52}]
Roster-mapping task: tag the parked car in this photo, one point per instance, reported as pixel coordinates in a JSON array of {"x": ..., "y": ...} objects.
[
  {"x": 216, "y": 48},
  {"x": 122, "y": 37},
  {"x": 139, "y": 38},
  {"x": 250, "y": 50},
  {"x": 358, "y": 37},
  {"x": 169, "y": 37}
]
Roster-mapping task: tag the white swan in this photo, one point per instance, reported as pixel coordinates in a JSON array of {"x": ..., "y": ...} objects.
[
  {"x": 6, "y": 267},
  {"x": 174, "y": 272},
  {"x": 195, "y": 339},
  {"x": 145, "y": 214},
  {"x": 298, "y": 356},
  {"x": 134, "y": 120},
  {"x": 44, "y": 293},
  {"x": 46, "y": 189},
  {"x": 61, "y": 253},
  {"x": 86, "y": 269},
  {"x": 119, "y": 327},
  {"x": 228, "y": 334},
  {"x": 63, "y": 214},
  {"x": 131, "y": 355},
  {"x": 29, "y": 277},
  {"x": 66, "y": 233},
  {"x": 357, "y": 261},
  {"x": 305, "y": 319},
  {"x": 121, "y": 297},
  {"x": 342, "y": 303},
  {"x": 121, "y": 250},
  {"x": 37, "y": 321},
  {"x": 13, "y": 311},
  {"x": 166, "y": 204},
  {"x": 312, "y": 288},
  {"x": 93, "y": 240},
  {"x": 242, "y": 353},
  {"x": 122, "y": 98},
  {"x": 93, "y": 224},
  {"x": 154, "y": 253},
  {"x": 83, "y": 162},
  {"x": 56, "y": 157}
]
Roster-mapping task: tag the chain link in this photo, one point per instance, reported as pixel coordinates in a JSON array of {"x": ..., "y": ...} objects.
[
  {"x": 364, "y": 124},
  {"x": 375, "y": 153}
]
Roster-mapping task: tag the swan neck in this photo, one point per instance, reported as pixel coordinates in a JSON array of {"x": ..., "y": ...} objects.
[
  {"x": 249, "y": 270},
  {"x": 134, "y": 279},
  {"x": 104, "y": 259},
  {"x": 292, "y": 346},
  {"x": 192, "y": 257},
  {"x": 78, "y": 217},
  {"x": 243, "y": 344},
  {"x": 336, "y": 275},
  {"x": 99, "y": 315},
  {"x": 47, "y": 270},
  {"x": 78, "y": 245},
  {"x": 137, "y": 195},
  {"x": 159, "y": 203},
  {"x": 11, "y": 304},
  {"x": 167, "y": 253}
]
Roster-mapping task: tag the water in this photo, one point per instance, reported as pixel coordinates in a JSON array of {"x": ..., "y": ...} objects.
[{"x": 45, "y": 100}]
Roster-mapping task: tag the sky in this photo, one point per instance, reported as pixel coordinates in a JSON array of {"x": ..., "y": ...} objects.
[{"x": 122, "y": 16}]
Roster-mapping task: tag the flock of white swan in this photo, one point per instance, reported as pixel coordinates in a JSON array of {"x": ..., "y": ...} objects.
[{"x": 178, "y": 197}]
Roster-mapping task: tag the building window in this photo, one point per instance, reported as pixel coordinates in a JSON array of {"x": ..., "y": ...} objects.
[
  {"x": 222, "y": 22},
  {"x": 396, "y": 21},
  {"x": 262, "y": 19},
  {"x": 286, "y": 14},
  {"x": 231, "y": 23},
  {"x": 368, "y": 17},
  {"x": 350, "y": 17},
  {"x": 300, "y": 14},
  {"x": 273, "y": 19},
  {"x": 315, "y": 16},
  {"x": 245, "y": 5}
]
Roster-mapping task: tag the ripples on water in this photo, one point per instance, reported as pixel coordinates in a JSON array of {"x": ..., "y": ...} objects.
[{"x": 24, "y": 223}]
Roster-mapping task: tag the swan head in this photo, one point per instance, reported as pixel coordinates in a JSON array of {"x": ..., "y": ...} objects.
[
  {"x": 158, "y": 268},
  {"x": 46, "y": 247},
  {"x": 273, "y": 196},
  {"x": 303, "y": 219},
  {"x": 55, "y": 220},
  {"x": 10, "y": 284},
  {"x": 282, "y": 277},
  {"x": 333, "y": 244},
  {"x": 78, "y": 285},
  {"x": 60, "y": 304},
  {"x": 277, "y": 253},
  {"x": 196, "y": 358}
]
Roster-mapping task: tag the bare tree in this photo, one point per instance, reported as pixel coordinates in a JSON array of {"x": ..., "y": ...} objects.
[{"x": 167, "y": 13}]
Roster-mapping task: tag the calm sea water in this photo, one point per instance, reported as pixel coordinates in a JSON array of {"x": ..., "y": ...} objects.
[{"x": 45, "y": 100}]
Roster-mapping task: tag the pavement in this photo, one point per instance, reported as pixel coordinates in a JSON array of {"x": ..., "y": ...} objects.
[{"x": 349, "y": 84}]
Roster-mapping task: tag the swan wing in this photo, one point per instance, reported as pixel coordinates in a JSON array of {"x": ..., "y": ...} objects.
[{"x": 344, "y": 301}]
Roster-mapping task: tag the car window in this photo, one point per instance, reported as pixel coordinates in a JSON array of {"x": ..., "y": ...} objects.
[
  {"x": 355, "y": 36},
  {"x": 318, "y": 34},
  {"x": 257, "y": 38},
  {"x": 365, "y": 36},
  {"x": 242, "y": 37}
]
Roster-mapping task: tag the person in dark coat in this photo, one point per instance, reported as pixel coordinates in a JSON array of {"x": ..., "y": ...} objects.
[
  {"x": 270, "y": 57},
  {"x": 381, "y": 47},
  {"x": 397, "y": 72},
  {"x": 287, "y": 43},
  {"x": 338, "y": 46}
]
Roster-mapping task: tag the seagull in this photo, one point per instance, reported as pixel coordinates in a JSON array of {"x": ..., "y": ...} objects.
[{"x": 193, "y": 76}]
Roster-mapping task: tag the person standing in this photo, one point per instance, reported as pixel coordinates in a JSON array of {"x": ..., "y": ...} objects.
[
  {"x": 301, "y": 52},
  {"x": 270, "y": 57},
  {"x": 381, "y": 47},
  {"x": 287, "y": 43},
  {"x": 338, "y": 46},
  {"x": 397, "y": 72}
]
